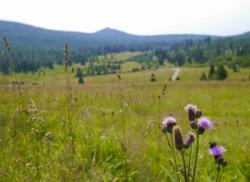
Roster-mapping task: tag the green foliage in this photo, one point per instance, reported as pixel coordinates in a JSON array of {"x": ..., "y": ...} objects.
[
  {"x": 203, "y": 76},
  {"x": 103, "y": 68},
  {"x": 212, "y": 73},
  {"x": 221, "y": 72},
  {"x": 97, "y": 128},
  {"x": 79, "y": 75},
  {"x": 152, "y": 78}
]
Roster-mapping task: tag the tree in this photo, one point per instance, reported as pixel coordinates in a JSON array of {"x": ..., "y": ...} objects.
[
  {"x": 180, "y": 58},
  {"x": 152, "y": 78},
  {"x": 211, "y": 74},
  {"x": 221, "y": 72},
  {"x": 80, "y": 80},
  {"x": 203, "y": 76},
  {"x": 79, "y": 75}
]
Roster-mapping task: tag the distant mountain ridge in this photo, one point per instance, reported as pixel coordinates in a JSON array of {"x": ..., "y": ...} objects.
[{"x": 25, "y": 35}]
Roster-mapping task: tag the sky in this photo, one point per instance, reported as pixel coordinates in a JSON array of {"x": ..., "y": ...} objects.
[{"x": 142, "y": 17}]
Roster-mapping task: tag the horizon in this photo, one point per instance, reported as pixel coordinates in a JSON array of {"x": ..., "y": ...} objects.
[
  {"x": 223, "y": 18},
  {"x": 116, "y": 29}
]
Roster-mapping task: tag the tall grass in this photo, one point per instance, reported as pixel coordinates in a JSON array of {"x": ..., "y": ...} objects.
[{"x": 44, "y": 154}]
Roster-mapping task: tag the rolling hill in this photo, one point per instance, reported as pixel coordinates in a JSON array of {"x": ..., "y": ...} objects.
[{"x": 29, "y": 36}]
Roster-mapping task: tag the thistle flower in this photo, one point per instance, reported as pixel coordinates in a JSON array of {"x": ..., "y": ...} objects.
[
  {"x": 168, "y": 123},
  {"x": 178, "y": 138},
  {"x": 204, "y": 124},
  {"x": 189, "y": 140},
  {"x": 217, "y": 152},
  {"x": 193, "y": 112}
]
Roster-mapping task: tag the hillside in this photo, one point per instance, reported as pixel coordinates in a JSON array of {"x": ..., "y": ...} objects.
[{"x": 29, "y": 36}]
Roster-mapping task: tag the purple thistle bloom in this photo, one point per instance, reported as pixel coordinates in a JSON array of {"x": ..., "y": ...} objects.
[
  {"x": 193, "y": 112},
  {"x": 191, "y": 107},
  {"x": 217, "y": 151},
  {"x": 204, "y": 124},
  {"x": 168, "y": 123}
]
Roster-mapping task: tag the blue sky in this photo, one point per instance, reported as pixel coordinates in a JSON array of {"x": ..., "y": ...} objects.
[{"x": 144, "y": 17}]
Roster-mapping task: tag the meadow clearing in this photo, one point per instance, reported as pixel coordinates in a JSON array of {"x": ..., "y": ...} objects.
[{"x": 39, "y": 144}]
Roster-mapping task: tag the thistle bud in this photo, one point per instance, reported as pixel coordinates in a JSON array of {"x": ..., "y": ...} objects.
[
  {"x": 189, "y": 140},
  {"x": 198, "y": 114},
  {"x": 178, "y": 138},
  {"x": 193, "y": 125},
  {"x": 212, "y": 145},
  {"x": 168, "y": 124},
  {"x": 191, "y": 110}
]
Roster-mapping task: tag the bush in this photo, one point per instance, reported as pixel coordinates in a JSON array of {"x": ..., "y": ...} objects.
[
  {"x": 153, "y": 78},
  {"x": 203, "y": 76},
  {"x": 221, "y": 72}
]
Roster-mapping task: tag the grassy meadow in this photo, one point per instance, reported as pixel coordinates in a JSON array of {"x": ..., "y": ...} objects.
[{"x": 38, "y": 143}]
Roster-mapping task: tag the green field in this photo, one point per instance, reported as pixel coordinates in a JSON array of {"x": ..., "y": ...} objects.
[{"x": 39, "y": 145}]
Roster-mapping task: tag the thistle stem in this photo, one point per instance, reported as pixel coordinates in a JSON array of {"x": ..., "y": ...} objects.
[
  {"x": 174, "y": 155},
  {"x": 168, "y": 142},
  {"x": 123, "y": 132},
  {"x": 159, "y": 119},
  {"x": 221, "y": 169},
  {"x": 189, "y": 161},
  {"x": 184, "y": 165},
  {"x": 196, "y": 156},
  {"x": 218, "y": 174}
]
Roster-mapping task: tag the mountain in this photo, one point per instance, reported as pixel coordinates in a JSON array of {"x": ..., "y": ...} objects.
[{"x": 30, "y": 36}]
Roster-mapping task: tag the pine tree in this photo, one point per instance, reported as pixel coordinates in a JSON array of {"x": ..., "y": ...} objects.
[
  {"x": 211, "y": 74},
  {"x": 221, "y": 72},
  {"x": 203, "y": 76},
  {"x": 152, "y": 78},
  {"x": 79, "y": 75}
]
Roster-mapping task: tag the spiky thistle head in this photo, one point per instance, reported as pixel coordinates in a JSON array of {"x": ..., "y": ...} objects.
[
  {"x": 189, "y": 140},
  {"x": 217, "y": 152},
  {"x": 168, "y": 123},
  {"x": 164, "y": 88},
  {"x": 178, "y": 138},
  {"x": 193, "y": 112},
  {"x": 66, "y": 54},
  {"x": 204, "y": 124}
]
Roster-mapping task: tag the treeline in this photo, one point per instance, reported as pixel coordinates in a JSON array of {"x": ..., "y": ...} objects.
[
  {"x": 229, "y": 51},
  {"x": 16, "y": 59}
]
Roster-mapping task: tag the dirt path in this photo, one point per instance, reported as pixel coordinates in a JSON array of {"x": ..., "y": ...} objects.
[{"x": 176, "y": 73}]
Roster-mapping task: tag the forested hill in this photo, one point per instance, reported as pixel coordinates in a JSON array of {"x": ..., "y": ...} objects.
[
  {"x": 29, "y": 36},
  {"x": 32, "y": 47}
]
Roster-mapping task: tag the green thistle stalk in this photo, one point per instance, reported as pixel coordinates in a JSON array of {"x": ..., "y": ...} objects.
[{"x": 123, "y": 129}]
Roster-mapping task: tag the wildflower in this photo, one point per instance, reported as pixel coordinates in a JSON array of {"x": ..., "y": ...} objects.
[
  {"x": 193, "y": 112},
  {"x": 189, "y": 140},
  {"x": 204, "y": 124},
  {"x": 217, "y": 152},
  {"x": 168, "y": 123},
  {"x": 178, "y": 138}
]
